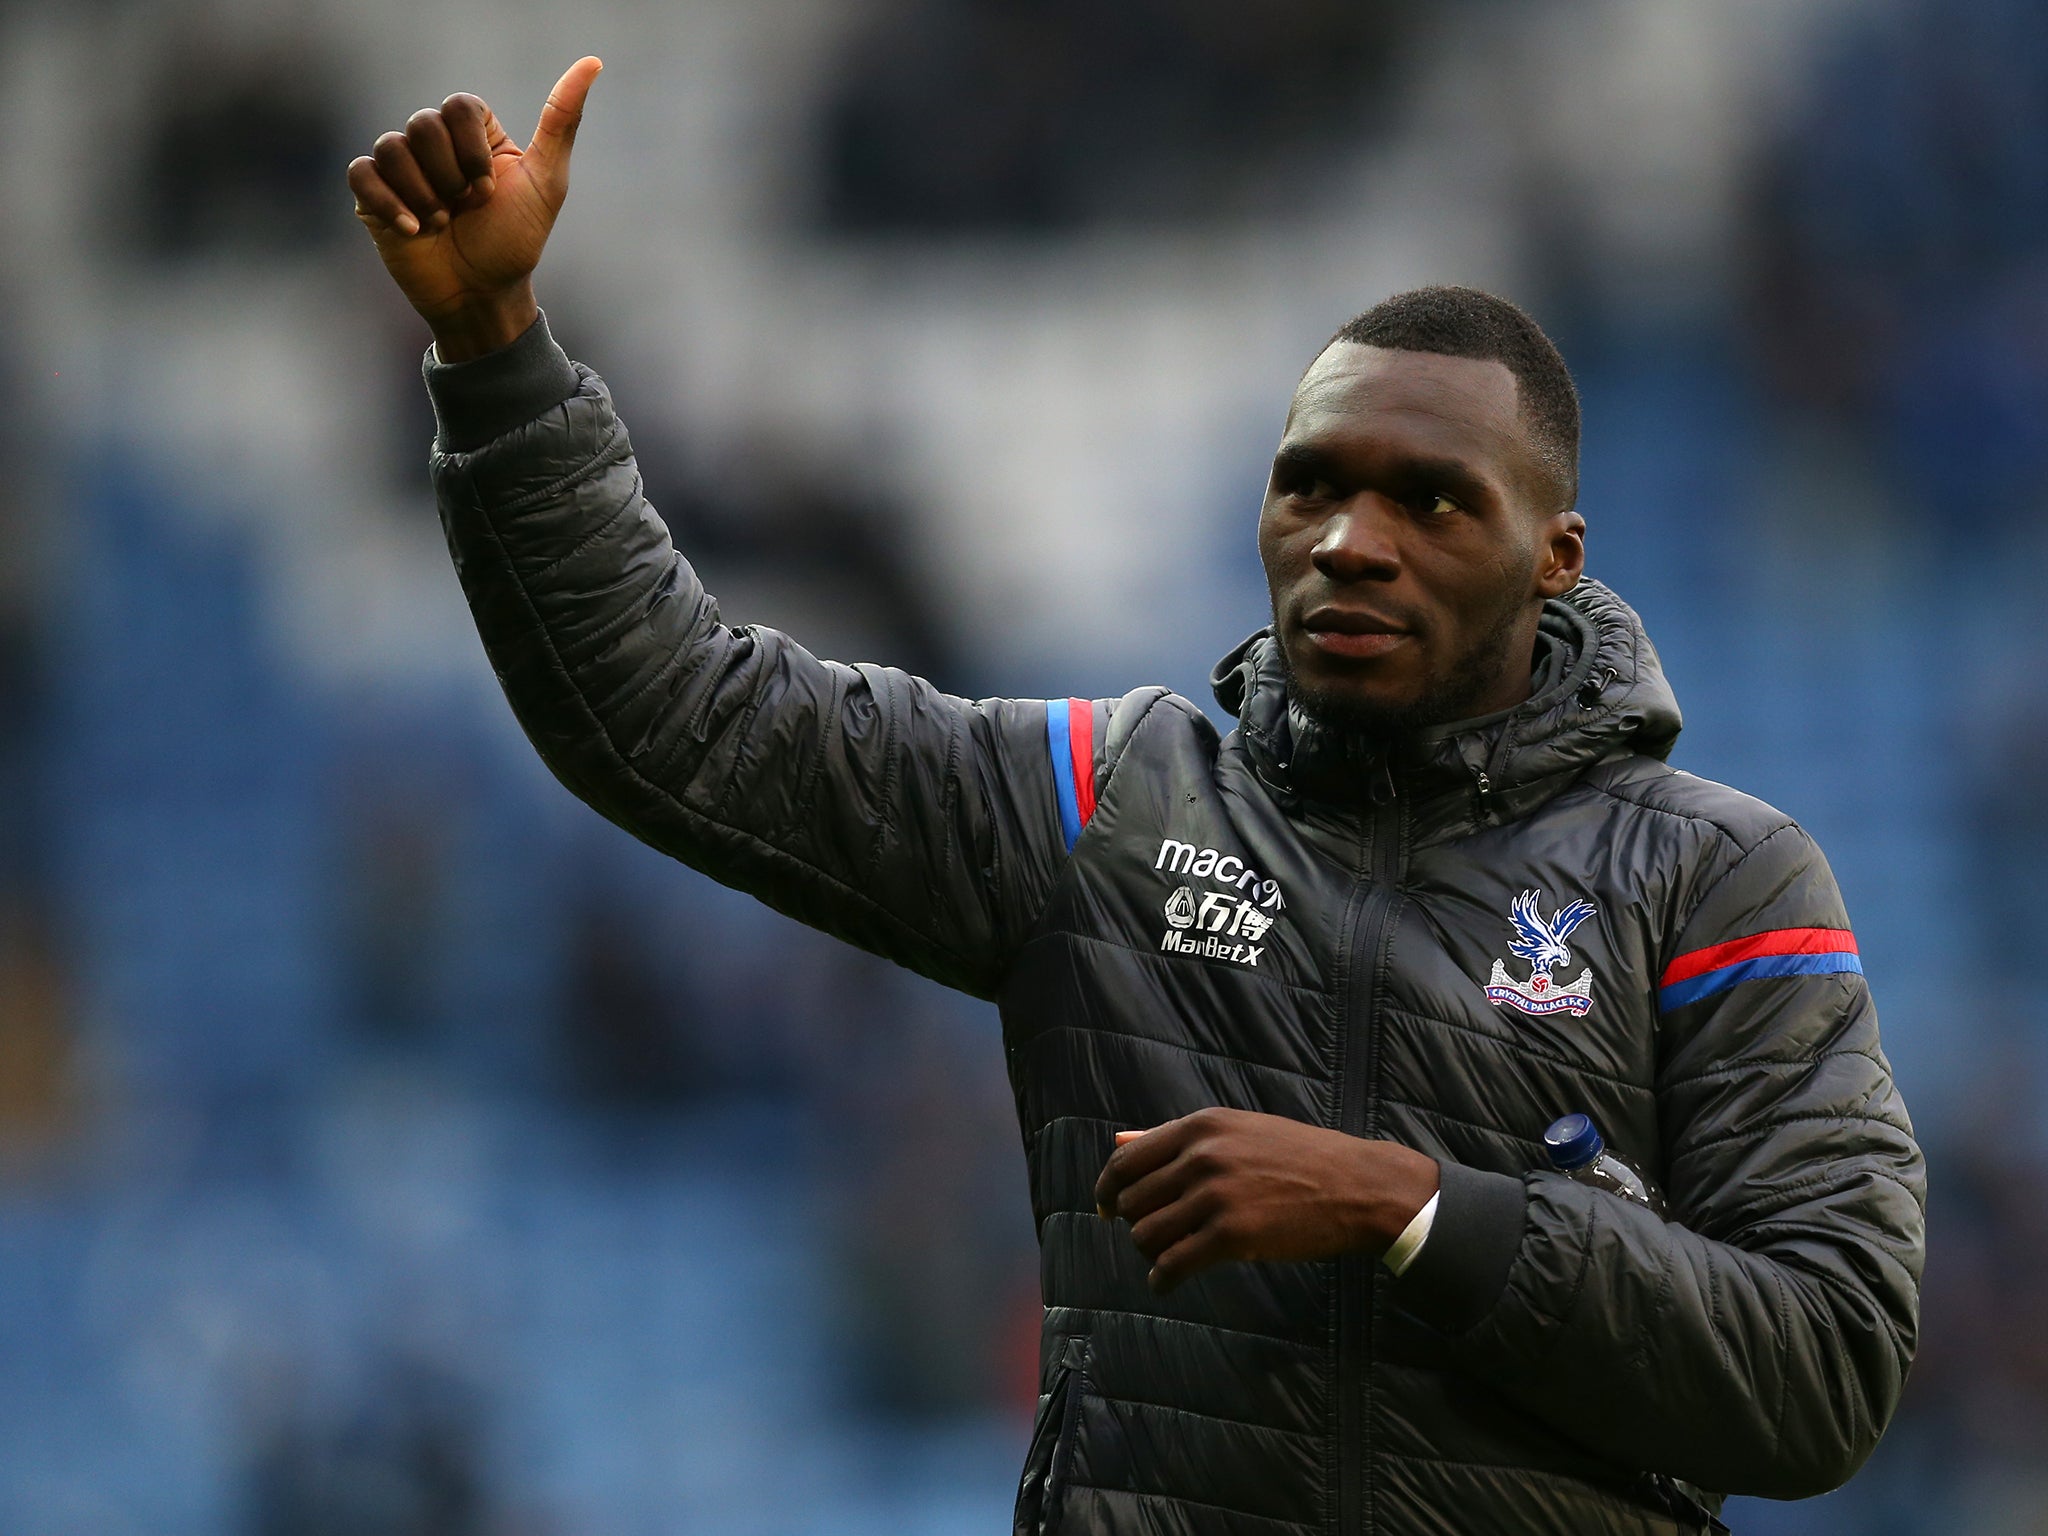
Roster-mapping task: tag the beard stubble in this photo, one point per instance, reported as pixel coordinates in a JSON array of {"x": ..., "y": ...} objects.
[{"x": 1453, "y": 693}]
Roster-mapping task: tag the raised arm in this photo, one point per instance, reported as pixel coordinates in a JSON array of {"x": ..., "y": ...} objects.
[{"x": 858, "y": 799}]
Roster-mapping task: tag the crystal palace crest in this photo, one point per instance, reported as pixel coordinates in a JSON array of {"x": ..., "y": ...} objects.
[{"x": 1543, "y": 945}]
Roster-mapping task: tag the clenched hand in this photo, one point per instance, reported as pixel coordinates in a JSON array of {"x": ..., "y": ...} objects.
[
  {"x": 460, "y": 213},
  {"x": 1226, "y": 1184}
]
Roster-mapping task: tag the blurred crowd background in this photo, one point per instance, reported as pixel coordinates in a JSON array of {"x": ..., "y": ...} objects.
[{"x": 390, "y": 1147}]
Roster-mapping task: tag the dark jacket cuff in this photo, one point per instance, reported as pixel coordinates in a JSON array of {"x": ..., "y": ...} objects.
[
  {"x": 488, "y": 396},
  {"x": 1462, "y": 1269}
]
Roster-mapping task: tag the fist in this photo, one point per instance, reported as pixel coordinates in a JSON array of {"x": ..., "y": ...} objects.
[
  {"x": 460, "y": 213},
  {"x": 1226, "y": 1184}
]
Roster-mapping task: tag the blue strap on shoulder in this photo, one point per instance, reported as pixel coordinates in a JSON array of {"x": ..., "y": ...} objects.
[{"x": 1060, "y": 744}]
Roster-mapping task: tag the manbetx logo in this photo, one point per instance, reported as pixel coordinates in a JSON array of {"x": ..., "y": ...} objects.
[{"x": 1217, "y": 925}]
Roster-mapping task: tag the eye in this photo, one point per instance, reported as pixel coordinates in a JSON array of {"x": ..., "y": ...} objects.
[
  {"x": 1306, "y": 485},
  {"x": 1433, "y": 505}
]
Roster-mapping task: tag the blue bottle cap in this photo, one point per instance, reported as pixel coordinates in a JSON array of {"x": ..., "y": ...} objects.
[{"x": 1573, "y": 1142}]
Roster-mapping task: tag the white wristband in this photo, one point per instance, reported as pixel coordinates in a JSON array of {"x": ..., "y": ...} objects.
[{"x": 1413, "y": 1236}]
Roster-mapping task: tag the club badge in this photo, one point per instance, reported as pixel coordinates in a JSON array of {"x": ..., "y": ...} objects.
[{"x": 1543, "y": 945}]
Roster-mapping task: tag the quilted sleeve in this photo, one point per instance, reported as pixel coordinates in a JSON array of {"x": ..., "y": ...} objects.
[{"x": 858, "y": 799}]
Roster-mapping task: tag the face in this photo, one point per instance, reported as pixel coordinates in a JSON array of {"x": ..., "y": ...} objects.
[{"x": 1410, "y": 537}]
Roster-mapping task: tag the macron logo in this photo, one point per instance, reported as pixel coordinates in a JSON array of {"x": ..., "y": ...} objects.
[{"x": 1181, "y": 858}]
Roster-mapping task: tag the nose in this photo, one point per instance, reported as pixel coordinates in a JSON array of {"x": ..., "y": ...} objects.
[{"x": 1356, "y": 543}]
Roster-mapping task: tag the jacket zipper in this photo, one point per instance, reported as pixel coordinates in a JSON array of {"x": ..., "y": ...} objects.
[
  {"x": 1370, "y": 925},
  {"x": 1045, "y": 1481},
  {"x": 1060, "y": 1470}
]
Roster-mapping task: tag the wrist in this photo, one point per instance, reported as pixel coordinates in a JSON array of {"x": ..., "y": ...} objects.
[
  {"x": 1399, "y": 1182},
  {"x": 484, "y": 324},
  {"x": 1401, "y": 1253}
]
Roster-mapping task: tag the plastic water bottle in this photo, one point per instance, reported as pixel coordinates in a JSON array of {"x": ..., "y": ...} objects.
[{"x": 1577, "y": 1151}]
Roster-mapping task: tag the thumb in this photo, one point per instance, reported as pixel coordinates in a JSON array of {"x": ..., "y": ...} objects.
[{"x": 559, "y": 119}]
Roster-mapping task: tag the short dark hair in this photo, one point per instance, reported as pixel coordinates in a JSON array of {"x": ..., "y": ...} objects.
[{"x": 1467, "y": 322}]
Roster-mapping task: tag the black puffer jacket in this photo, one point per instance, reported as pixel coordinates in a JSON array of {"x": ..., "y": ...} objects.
[{"x": 1448, "y": 947}]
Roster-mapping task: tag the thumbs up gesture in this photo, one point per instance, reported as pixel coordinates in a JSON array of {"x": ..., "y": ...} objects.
[{"x": 460, "y": 213}]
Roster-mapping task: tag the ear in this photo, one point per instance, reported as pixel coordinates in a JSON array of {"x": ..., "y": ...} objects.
[{"x": 1560, "y": 553}]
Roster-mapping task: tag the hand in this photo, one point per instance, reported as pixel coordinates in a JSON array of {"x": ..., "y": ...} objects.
[
  {"x": 1226, "y": 1184},
  {"x": 460, "y": 213}
]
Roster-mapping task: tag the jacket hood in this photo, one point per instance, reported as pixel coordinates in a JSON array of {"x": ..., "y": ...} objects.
[{"x": 1600, "y": 693}]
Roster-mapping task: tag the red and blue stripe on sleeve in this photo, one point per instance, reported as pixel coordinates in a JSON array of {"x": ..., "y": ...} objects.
[
  {"x": 1070, "y": 736},
  {"x": 1779, "y": 952}
]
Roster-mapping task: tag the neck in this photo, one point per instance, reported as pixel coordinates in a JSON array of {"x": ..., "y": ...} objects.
[{"x": 1512, "y": 688}]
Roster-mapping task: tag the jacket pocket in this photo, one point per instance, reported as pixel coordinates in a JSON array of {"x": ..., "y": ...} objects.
[{"x": 1049, "y": 1462}]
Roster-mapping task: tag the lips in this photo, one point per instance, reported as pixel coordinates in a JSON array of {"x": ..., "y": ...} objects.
[{"x": 1342, "y": 632}]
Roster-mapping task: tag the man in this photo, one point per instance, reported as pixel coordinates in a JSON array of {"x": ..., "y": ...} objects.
[{"x": 1340, "y": 968}]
